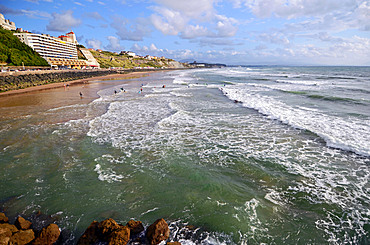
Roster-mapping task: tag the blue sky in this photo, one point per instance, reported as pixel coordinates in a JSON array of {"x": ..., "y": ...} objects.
[{"x": 245, "y": 32}]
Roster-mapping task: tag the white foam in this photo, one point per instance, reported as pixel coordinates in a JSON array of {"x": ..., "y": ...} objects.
[
  {"x": 149, "y": 211},
  {"x": 107, "y": 174},
  {"x": 351, "y": 134},
  {"x": 302, "y": 82}
]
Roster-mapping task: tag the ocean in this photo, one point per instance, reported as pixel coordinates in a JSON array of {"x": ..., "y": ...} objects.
[{"x": 235, "y": 155}]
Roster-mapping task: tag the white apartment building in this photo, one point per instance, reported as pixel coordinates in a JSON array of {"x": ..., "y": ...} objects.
[{"x": 48, "y": 46}]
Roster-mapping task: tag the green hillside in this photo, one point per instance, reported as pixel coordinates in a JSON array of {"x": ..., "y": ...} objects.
[
  {"x": 108, "y": 59},
  {"x": 14, "y": 52}
]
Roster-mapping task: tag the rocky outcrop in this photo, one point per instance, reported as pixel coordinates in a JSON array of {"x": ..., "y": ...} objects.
[
  {"x": 158, "y": 231},
  {"x": 105, "y": 232},
  {"x": 136, "y": 227},
  {"x": 22, "y": 224},
  {"x": 109, "y": 231},
  {"x": 21, "y": 234},
  {"x": 3, "y": 218},
  {"x": 49, "y": 235},
  {"x": 119, "y": 236},
  {"x": 91, "y": 234},
  {"x": 22, "y": 237}
]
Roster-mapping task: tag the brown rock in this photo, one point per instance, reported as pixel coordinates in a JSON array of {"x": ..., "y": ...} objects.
[
  {"x": 22, "y": 224},
  {"x": 157, "y": 232},
  {"x": 106, "y": 227},
  {"x": 173, "y": 243},
  {"x": 91, "y": 235},
  {"x": 120, "y": 236},
  {"x": 48, "y": 235},
  {"x": 22, "y": 237},
  {"x": 3, "y": 218},
  {"x": 12, "y": 228},
  {"x": 135, "y": 227},
  {"x": 5, "y": 235}
]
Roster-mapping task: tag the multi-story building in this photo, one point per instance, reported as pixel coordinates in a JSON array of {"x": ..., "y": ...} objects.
[
  {"x": 48, "y": 46},
  {"x": 7, "y": 24},
  {"x": 58, "y": 51}
]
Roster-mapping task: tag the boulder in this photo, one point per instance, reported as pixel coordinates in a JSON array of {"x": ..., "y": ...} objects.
[
  {"x": 120, "y": 236},
  {"x": 5, "y": 234},
  {"x": 12, "y": 228},
  {"x": 157, "y": 232},
  {"x": 48, "y": 235},
  {"x": 22, "y": 224},
  {"x": 22, "y": 237},
  {"x": 91, "y": 235},
  {"x": 135, "y": 227},
  {"x": 106, "y": 227},
  {"x": 3, "y": 218}
]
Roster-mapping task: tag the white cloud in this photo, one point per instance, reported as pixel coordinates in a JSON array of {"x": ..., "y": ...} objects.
[
  {"x": 325, "y": 37},
  {"x": 191, "y": 32},
  {"x": 361, "y": 16},
  {"x": 62, "y": 22},
  {"x": 296, "y": 8},
  {"x": 93, "y": 15},
  {"x": 132, "y": 32},
  {"x": 336, "y": 51},
  {"x": 78, "y": 3},
  {"x": 94, "y": 43},
  {"x": 169, "y": 22},
  {"x": 190, "y": 8},
  {"x": 225, "y": 26},
  {"x": 276, "y": 38},
  {"x": 179, "y": 18},
  {"x": 152, "y": 47},
  {"x": 114, "y": 44},
  {"x": 36, "y": 14},
  {"x": 144, "y": 50}
]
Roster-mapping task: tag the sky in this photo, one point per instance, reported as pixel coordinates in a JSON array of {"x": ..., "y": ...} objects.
[{"x": 234, "y": 32}]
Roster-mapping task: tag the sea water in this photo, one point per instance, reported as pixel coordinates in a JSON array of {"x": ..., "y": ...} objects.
[{"x": 237, "y": 155}]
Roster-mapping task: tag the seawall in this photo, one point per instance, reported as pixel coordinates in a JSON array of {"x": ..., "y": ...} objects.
[{"x": 18, "y": 80}]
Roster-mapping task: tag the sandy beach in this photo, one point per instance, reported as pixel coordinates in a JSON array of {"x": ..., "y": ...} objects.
[
  {"x": 45, "y": 97},
  {"x": 76, "y": 82}
]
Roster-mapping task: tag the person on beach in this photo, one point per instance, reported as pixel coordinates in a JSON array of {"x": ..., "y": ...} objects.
[
  {"x": 115, "y": 92},
  {"x": 80, "y": 95}
]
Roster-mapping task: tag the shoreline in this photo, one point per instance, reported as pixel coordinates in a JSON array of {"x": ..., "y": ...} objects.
[{"x": 129, "y": 75}]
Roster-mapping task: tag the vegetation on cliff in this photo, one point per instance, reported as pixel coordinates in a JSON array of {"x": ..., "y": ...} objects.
[
  {"x": 108, "y": 59},
  {"x": 15, "y": 53}
]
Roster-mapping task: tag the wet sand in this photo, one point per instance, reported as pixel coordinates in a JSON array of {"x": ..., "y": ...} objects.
[
  {"x": 75, "y": 82},
  {"x": 26, "y": 101}
]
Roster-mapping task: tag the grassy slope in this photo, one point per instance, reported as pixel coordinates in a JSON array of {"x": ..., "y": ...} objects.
[
  {"x": 109, "y": 59},
  {"x": 14, "y": 52}
]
